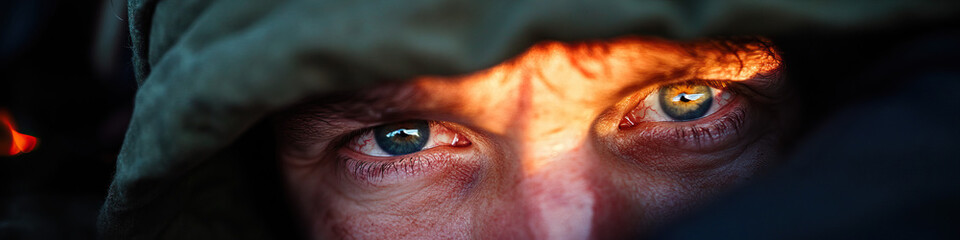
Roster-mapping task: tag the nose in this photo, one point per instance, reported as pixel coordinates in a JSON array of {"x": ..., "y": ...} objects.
[{"x": 559, "y": 192}]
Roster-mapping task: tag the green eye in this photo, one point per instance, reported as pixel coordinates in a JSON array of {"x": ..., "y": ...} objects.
[
  {"x": 403, "y": 137},
  {"x": 684, "y": 102}
]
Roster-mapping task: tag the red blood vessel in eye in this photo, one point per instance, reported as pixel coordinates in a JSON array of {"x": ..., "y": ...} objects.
[{"x": 634, "y": 117}]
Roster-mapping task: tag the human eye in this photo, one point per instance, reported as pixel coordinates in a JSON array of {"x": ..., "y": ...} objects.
[
  {"x": 679, "y": 102},
  {"x": 696, "y": 116},
  {"x": 400, "y": 149}
]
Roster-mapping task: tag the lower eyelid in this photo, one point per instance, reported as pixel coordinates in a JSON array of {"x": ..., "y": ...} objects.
[
  {"x": 382, "y": 171},
  {"x": 714, "y": 132}
]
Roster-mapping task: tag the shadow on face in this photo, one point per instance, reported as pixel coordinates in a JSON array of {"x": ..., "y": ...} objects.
[{"x": 598, "y": 139}]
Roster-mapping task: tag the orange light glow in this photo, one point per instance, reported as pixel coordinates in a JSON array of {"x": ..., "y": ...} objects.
[
  {"x": 573, "y": 83},
  {"x": 11, "y": 141}
]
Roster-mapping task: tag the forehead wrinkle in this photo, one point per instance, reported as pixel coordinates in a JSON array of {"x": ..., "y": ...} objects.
[
  {"x": 622, "y": 66},
  {"x": 549, "y": 61},
  {"x": 735, "y": 58},
  {"x": 485, "y": 99},
  {"x": 627, "y": 65},
  {"x": 655, "y": 61},
  {"x": 589, "y": 59}
]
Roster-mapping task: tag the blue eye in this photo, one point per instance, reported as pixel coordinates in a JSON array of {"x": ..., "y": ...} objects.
[{"x": 403, "y": 137}]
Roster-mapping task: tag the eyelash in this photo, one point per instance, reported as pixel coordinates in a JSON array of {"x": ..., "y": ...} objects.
[
  {"x": 719, "y": 98},
  {"x": 709, "y": 131},
  {"x": 375, "y": 172},
  {"x": 380, "y": 170},
  {"x": 364, "y": 141}
]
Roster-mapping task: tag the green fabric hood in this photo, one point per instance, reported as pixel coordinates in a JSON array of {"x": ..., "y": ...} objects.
[{"x": 209, "y": 70}]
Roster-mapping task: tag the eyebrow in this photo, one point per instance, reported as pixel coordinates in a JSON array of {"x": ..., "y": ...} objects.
[
  {"x": 336, "y": 111},
  {"x": 355, "y": 105},
  {"x": 319, "y": 120},
  {"x": 393, "y": 101}
]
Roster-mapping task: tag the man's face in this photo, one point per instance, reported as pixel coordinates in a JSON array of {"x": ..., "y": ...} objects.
[{"x": 569, "y": 141}]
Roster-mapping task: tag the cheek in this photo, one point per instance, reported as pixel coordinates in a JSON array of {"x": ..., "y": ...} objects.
[
  {"x": 452, "y": 205},
  {"x": 663, "y": 184},
  {"x": 302, "y": 185},
  {"x": 633, "y": 188}
]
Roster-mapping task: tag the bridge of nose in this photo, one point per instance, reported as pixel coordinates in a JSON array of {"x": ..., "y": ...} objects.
[
  {"x": 556, "y": 114},
  {"x": 545, "y": 109},
  {"x": 559, "y": 193}
]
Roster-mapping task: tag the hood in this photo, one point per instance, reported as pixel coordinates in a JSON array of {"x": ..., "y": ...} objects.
[{"x": 210, "y": 70}]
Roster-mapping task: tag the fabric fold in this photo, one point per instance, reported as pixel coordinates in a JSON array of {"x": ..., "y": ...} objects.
[{"x": 210, "y": 69}]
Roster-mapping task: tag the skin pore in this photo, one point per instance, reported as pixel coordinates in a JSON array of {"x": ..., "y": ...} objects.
[{"x": 565, "y": 141}]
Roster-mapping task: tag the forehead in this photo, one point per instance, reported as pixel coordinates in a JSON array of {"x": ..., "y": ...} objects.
[{"x": 554, "y": 84}]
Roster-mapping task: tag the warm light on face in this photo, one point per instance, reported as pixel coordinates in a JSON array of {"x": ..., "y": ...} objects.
[
  {"x": 602, "y": 139},
  {"x": 11, "y": 141}
]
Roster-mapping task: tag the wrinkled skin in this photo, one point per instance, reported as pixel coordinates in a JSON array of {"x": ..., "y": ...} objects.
[{"x": 544, "y": 149}]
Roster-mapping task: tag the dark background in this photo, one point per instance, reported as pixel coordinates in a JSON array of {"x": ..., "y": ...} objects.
[{"x": 65, "y": 77}]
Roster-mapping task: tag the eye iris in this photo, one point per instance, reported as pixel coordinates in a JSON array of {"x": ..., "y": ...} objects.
[
  {"x": 403, "y": 137},
  {"x": 684, "y": 102}
]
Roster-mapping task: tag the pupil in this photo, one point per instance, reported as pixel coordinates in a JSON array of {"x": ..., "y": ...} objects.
[{"x": 403, "y": 137}]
